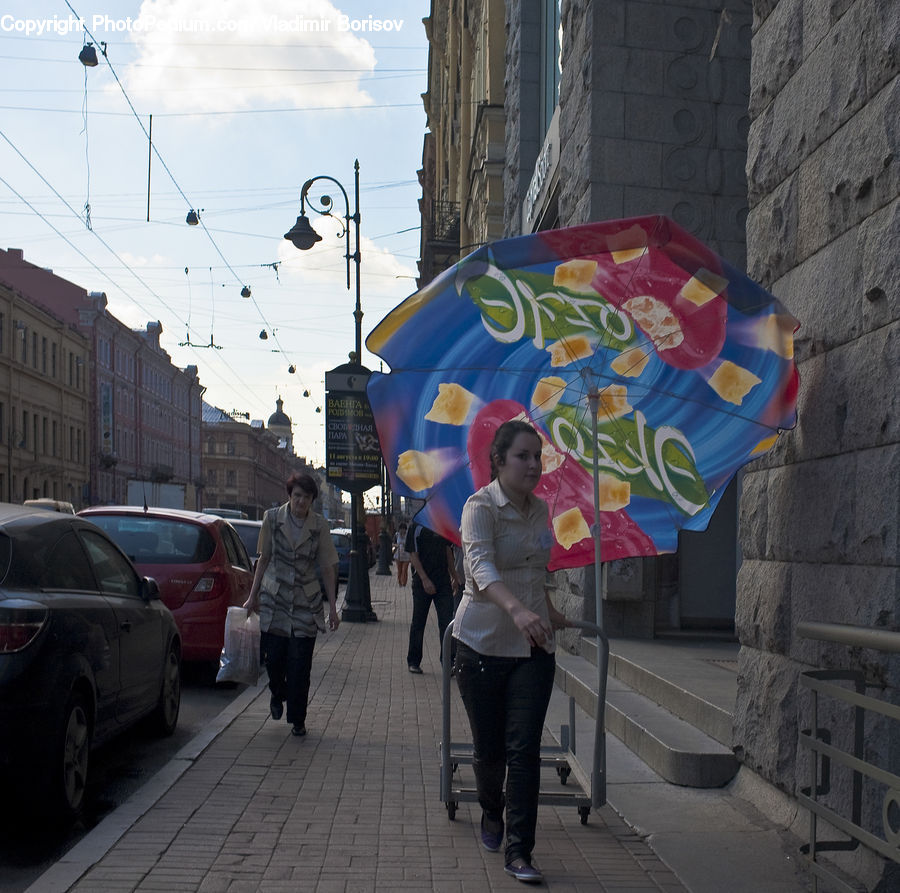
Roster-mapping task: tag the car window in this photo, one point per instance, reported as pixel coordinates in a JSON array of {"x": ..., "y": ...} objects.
[
  {"x": 249, "y": 534},
  {"x": 66, "y": 566},
  {"x": 234, "y": 548},
  {"x": 5, "y": 555},
  {"x": 114, "y": 573},
  {"x": 148, "y": 540},
  {"x": 31, "y": 551}
]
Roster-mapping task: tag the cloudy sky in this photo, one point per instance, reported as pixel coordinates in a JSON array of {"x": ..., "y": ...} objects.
[{"x": 248, "y": 100}]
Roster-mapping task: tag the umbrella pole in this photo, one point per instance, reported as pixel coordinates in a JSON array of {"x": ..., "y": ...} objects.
[
  {"x": 599, "y": 570},
  {"x": 598, "y": 769}
]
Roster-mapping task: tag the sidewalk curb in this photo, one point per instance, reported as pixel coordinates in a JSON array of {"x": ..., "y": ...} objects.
[{"x": 69, "y": 869}]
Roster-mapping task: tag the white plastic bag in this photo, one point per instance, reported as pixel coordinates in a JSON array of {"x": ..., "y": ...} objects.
[{"x": 240, "y": 654}]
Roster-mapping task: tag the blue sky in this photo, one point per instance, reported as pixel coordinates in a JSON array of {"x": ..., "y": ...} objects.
[{"x": 247, "y": 102}]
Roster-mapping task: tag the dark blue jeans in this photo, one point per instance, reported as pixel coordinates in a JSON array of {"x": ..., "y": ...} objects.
[
  {"x": 506, "y": 699},
  {"x": 443, "y": 605},
  {"x": 288, "y": 661}
]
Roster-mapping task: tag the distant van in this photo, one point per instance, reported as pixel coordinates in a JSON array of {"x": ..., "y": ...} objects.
[
  {"x": 52, "y": 505},
  {"x": 226, "y": 513}
]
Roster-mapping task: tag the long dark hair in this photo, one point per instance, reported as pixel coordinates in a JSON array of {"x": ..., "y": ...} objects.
[
  {"x": 503, "y": 439},
  {"x": 306, "y": 482}
]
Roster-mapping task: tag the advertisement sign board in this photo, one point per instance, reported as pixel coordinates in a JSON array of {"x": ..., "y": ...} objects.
[{"x": 353, "y": 456}]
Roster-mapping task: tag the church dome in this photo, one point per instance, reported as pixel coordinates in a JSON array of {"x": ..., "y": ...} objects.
[{"x": 278, "y": 419}]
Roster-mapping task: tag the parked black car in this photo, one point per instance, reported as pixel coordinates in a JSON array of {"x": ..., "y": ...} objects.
[{"x": 86, "y": 650}]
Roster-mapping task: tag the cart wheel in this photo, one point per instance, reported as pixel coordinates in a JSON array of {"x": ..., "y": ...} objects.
[
  {"x": 451, "y": 810},
  {"x": 563, "y": 772},
  {"x": 584, "y": 812}
]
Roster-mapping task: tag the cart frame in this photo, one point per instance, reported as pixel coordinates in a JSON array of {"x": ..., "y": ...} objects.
[{"x": 591, "y": 792}]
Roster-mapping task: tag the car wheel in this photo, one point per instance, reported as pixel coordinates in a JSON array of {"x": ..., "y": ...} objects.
[
  {"x": 70, "y": 757},
  {"x": 164, "y": 718}
]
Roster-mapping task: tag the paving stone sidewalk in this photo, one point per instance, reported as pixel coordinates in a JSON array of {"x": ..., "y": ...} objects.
[{"x": 355, "y": 805}]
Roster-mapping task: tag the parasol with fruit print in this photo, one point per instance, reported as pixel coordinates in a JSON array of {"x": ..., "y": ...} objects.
[{"x": 652, "y": 369}]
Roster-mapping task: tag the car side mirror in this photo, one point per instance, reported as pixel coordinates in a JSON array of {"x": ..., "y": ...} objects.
[{"x": 149, "y": 589}]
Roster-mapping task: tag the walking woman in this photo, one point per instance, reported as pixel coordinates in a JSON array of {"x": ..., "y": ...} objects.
[
  {"x": 401, "y": 556},
  {"x": 295, "y": 546},
  {"x": 505, "y": 653}
]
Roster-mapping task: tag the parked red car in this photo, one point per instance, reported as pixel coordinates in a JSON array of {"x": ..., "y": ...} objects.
[{"x": 198, "y": 560}]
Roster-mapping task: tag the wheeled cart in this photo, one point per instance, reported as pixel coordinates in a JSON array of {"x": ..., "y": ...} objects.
[{"x": 588, "y": 794}]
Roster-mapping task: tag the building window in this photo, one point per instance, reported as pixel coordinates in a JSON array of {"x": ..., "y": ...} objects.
[
  {"x": 44, "y": 355},
  {"x": 230, "y": 479},
  {"x": 229, "y": 448},
  {"x": 53, "y": 361},
  {"x": 551, "y": 60},
  {"x": 34, "y": 349}
]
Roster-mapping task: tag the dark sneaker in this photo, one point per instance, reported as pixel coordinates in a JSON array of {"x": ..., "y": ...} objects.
[
  {"x": 524, "y": 871},
  {"x": 413, "y": 668},
  {"x": 298, "y": 730},
  {"x": 276, "y": 707},
  {"x": 491, "y": 833}
]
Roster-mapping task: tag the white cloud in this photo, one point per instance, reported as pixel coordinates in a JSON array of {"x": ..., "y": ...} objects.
[
  {"x": 323, "y": 267},
  {"x": 208, "y": 55}
]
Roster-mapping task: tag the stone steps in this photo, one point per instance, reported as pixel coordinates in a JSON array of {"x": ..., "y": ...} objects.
[{"x": 682, "y": 736}]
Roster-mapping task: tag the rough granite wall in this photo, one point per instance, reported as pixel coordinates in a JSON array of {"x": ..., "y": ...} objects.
[
  {"x": 819, "y": 514},
  {"x": 522, "y": 97},
  {"x": 653, "y": 114}
]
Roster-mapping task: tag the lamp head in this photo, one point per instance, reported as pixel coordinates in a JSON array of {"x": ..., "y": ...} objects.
[
  {"x": 88, "y": 56},
  {"x": 193, "y": 218},
  {"x": 245, "y": 291},
  {"x": 302, "y": 235}
]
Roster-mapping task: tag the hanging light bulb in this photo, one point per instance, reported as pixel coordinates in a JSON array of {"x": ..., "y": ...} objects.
[
  {"x": 245, "y": 291},
  {"x": 193, "y": 217},
  {"x": 306, "y": 393},
  {"x": 88, "y": 56},
  {"x": 292, "y": 369},
  {"x": 263, "y": 335},
  {"x": 318, "y": 409}
]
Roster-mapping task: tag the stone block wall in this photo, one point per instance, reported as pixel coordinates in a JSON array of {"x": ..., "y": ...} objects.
[
  {"x": 653, "y": 114},
  {"x": 820, "y": 514},
  {"x": 522, "y": 91}
]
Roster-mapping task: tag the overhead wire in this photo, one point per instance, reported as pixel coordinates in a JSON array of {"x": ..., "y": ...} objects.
[
  {"x": 175, "y": 183},
  {"x": 102, "y": 241}
]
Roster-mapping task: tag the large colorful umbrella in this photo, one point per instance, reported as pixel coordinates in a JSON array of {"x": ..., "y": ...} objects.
[{"x": 687, "y": 365}]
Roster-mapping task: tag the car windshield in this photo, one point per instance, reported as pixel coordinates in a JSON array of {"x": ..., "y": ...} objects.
[
  {"x": 158, "y": 540},
  {"x": 341, "y": 541}
]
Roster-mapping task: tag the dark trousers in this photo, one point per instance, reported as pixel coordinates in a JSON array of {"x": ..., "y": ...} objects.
[
  {"x": 443, "y": 604},
  {"x": 288, "y": 661},
  {"x": 506, "y": 699}
]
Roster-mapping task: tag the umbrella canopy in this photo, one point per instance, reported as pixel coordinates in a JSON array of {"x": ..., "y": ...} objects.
[{"x": 690, "y": 364}]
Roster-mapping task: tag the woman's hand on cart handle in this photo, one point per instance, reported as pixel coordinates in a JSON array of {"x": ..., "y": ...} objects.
[{"x": 536, "y": 630}]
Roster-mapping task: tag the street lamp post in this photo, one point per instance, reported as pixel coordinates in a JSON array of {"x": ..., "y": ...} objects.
[{"x": 357, "y": 600}]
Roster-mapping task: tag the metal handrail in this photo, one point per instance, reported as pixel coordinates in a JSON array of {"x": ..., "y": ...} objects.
[
  {"x": 824, "y": 753},
  {"x": 854, "y": 636}
]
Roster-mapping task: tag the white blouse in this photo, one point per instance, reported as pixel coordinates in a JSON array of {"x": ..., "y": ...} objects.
[{"x": 500, "y": 542}]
